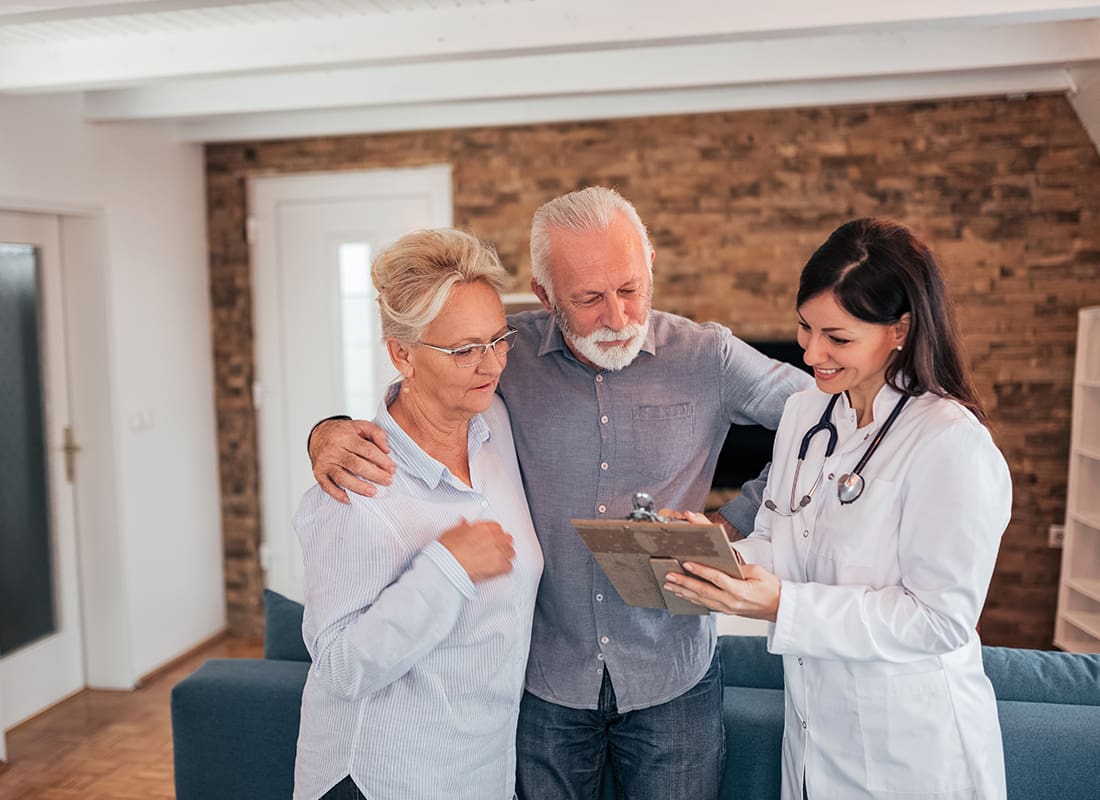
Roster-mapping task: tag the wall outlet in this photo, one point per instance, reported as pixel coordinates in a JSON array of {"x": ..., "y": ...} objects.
[{"x": 1056, "y": 534}]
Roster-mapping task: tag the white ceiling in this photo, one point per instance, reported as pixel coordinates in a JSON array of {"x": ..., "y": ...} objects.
[{"x": 260, "y": 69}]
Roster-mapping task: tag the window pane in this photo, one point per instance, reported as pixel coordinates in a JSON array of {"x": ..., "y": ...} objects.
[
  {"x": 26, "y": 571},
  {"x": 367, "y": 367}
]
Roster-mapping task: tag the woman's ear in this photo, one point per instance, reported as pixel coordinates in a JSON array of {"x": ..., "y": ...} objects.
[
  {"x": 401, "y": 356},
  {"x": 901, "y": 330}
]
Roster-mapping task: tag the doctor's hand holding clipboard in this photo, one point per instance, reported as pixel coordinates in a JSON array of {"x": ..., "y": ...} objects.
[
  {"x": 872, "y": 552},
  {"x": 755, "y": 596}
]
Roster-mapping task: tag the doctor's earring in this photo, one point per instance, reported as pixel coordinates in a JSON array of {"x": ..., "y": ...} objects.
[{"x": 898, "y": 348}]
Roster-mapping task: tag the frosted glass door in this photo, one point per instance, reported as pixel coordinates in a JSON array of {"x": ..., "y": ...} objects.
[
  {"x": 26, "y": 563},
  {"x": 318, "y": 340}
]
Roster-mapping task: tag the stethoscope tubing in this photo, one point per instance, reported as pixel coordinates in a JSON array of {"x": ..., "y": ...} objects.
[{"x": 852, "y": 480}]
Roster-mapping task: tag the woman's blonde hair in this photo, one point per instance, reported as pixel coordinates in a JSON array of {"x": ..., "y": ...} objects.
[{"x": 415, "y": 275}]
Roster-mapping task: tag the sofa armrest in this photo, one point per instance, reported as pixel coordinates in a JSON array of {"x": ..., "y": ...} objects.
[{"x": 235, "y": 729}]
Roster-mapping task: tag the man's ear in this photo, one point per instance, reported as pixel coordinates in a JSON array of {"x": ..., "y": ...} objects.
[
  {"x": 901, "y": 330},
  {"x": 542, "y": 295},
  {"x": 400, "y": 355}
]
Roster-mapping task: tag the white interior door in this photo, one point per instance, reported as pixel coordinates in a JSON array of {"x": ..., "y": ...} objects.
[
  {"x": 318, "y": 341},
  {"x": 46, "y": 667}
]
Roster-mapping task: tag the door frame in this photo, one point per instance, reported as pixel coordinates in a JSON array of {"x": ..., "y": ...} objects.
[
  {"x": 57, "y": 659},
  {"x": 270, "y": 406}
]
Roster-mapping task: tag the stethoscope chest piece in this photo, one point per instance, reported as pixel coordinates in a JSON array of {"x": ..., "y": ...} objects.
[{"x": 849, "y": 487}]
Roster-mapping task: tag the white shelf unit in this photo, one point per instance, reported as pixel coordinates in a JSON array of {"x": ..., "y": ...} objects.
[{"x": 1077, "y": 626}]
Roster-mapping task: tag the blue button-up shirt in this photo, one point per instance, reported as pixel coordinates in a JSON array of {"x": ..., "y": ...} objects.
[
  {"x": 417, "y": 672},
  {"x": 587, "y": 441}
]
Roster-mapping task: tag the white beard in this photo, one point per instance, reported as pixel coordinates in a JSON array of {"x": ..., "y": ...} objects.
[{"x": 614, "y": 358}]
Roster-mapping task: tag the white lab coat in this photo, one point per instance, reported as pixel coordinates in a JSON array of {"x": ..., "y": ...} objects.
[{"x": 885, "y": 692}]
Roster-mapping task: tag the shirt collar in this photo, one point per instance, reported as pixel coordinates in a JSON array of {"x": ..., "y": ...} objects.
[
  {"x": 554, "y": 340},
  {"x": 881, "y": 407},
  {"x": 409, "y": 454}
]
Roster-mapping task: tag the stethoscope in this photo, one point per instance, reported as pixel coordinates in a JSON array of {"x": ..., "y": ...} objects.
[{"x": 850, "y": 486}]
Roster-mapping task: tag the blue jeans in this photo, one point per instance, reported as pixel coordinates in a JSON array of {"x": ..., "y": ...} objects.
[{"x": 674, "y": 751}]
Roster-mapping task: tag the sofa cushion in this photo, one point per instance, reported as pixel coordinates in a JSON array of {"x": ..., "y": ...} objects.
[
  {"x": 1051, "y": 750},
  {"x": 753, "y": 719},
  {"x": 283, "y": 628},
  {"x": 747, "y": 662},
  {"x": 1040, "y": 676}
]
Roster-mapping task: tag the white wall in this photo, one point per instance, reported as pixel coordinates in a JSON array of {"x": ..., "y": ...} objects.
[{"x": 139, "y": 314}]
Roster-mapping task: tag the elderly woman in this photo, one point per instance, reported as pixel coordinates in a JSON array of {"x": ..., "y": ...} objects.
[{"x": 419, "y": 601}]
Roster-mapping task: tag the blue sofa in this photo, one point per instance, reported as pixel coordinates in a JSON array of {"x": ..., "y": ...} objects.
[{"x": 235, "y": 721}]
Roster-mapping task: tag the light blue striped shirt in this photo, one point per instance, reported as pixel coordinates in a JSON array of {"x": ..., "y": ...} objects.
[{"x": 417, "y": 673}]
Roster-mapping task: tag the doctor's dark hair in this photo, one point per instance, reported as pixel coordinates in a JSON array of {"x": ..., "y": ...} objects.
[{"x": 879, "y": 270}]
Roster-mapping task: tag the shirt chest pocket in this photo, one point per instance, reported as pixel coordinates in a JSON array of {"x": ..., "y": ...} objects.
[
  {"x": 853, "y": 538},
  {"x": 664, "y": 437}
]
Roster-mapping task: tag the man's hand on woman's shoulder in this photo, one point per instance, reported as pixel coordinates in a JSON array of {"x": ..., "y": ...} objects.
[{"x": 352, "y": 455}]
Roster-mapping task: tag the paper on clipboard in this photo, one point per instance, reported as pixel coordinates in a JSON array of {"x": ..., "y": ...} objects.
[{"x": 636, "y": 556}]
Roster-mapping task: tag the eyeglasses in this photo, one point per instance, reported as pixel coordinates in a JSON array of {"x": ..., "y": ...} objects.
[{"x": 470, "y": 355}]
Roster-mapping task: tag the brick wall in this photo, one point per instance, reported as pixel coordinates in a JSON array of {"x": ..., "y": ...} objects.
[{"x": 1006, "y": 192}]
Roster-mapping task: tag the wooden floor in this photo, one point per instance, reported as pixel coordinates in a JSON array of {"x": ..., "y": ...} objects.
[{"x": 102, "y": 745}]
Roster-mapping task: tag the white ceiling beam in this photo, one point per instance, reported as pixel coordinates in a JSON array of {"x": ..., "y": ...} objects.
[
  {"x": 1085, "y": 99},
  {"x": 468, "y": 30},
  {"x": 653, "y": 68},
  {"x": 618, "y": 105}
]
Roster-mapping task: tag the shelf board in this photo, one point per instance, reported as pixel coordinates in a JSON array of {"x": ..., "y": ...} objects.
[
  {"x": 1086, "y": 621},
  {"x": 1090, "y": 588},
  {"x": 1088, "y": 452},
  {"x": 1091, "y": 519},
  {"x": 1089, "y": 384},
  {"x": 1072, "y": 645}
]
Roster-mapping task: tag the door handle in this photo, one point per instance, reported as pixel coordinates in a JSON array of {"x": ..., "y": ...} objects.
[{"x": 70, "y": 448}]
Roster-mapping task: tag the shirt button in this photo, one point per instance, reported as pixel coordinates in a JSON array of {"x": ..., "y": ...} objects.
[
  {"x": 599, "y": 379},
  {"x": 603, "y": 466},
  {"x": 800, "y": 662},
  {"x": 604, "y": 640},
  {"x": 602, "y": 508},
  {"x": 599, "y": 598},
  {"x": 599, "y": 656},
  {"x": 805, "y": 534},
  {"x": 599, "y": 670},
  {"x": 603, "y": 419},
  {"x": 803, "y": 724}
]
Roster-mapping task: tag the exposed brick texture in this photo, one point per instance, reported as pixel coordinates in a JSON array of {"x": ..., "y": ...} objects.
[{"x": 1006, "y": 192}]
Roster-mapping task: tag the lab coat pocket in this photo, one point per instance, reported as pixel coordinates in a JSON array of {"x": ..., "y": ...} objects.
[
  {"x": 852, "y": 537},
  {"x": 664, "y": 438},
  {"x": 911, "y": 740}
]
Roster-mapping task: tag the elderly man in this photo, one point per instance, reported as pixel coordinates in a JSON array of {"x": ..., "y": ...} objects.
[{"x": 608, "y": 398}]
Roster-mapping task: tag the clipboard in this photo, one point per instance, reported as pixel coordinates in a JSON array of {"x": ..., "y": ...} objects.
[{"x": 636, "y": 556}]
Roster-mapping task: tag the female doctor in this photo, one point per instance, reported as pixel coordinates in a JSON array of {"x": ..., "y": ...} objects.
[{"x": 873, "y": 552}]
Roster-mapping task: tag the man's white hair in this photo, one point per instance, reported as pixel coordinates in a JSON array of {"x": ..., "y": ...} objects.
[{"x": 591, "y": 209}]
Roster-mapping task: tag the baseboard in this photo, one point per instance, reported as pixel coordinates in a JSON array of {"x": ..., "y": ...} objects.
[{"x": 190, "y": 652}]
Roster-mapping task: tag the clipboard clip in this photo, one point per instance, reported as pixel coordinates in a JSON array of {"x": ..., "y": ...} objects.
[{"x": 644, "y": 509}]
